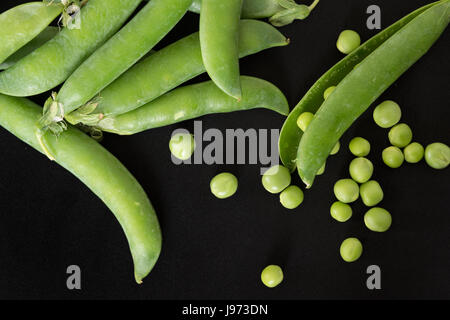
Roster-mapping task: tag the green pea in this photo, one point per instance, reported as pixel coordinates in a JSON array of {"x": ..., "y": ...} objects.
[
  {"x": 360, "y": 147},
  {"x": 321, "y": 170},
  {"x": 378, "y": 219},
  {"x": 336, "y": 148},
  {"x": 304, "y": 120},
  {"x": 328, "y": 91},
  {"x": 224, "y": 185},
  {"x": 341, "y": 211},
  {"x": 351, "y": 249},
  {"x": 393, "y": 157},
  {"x": 413, "y": 152},
  {"x": 387, "y": 114},
  {"x": 361, "y": 169},
  {"x": 272, "y": 276},
  {"x": 182, "y": 145},
  {"x": 400, "y": 135},
  {"x": 348, "y": 41},
  {"x": 346, "y": 190},
  {"x": 276, "y": 179},
  {"x": 437, "y": 155},
  {"x": 291, "y": 197},
  {"x": 371, "y": 193}
]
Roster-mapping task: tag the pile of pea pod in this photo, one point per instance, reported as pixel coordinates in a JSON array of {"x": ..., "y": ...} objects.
[{"x": 101, "y": 55}]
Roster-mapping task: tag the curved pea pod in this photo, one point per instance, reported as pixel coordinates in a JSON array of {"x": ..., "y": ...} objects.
[
  {"x": 167, "y": 69},
  {"x": 39, "y": 41},
  {"x": 21, "y": 24},
  {"x": 363, "y": 85},
  {"x": 290, "y": 134},
  {"x": 51, "y": 64},
  {"x": 219, "y": 41},
  {"x": 193, "y": 101},
  {"x": 101, "y": 172}
]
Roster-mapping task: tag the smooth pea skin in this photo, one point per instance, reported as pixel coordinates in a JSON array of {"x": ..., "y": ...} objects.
[
  {"x": 336, "y": 148},
  {"x": 291, "y": 197},
  {"x": 224, "y": 185},
  {"x": 360, "y": 147},
  {"x": 413, "y": 152},
  {"x": 101, "y": 172},
  {"x": 361, "y": 169},
  {"x": 327, "y": 92},
  {"x": 321, "y": 170},
  {"x": 378, "y": 219},
  {"x": 304, "y": 120},
  {"x": 276, "y": 179},
  {"x": 272, "y": 276},
  {"x": 346, "y": 190},
  {"x": 371, "y": 193},
  {"x": 341, "y": 211},
  {"x": 437, "y": 155},
  {"x": 400, "y": 135},
  {"x": 351, "y": 249},
  {"x": 393, "y": 157},
  {"x": 387, "y": 114},
  {"x": 182, "y": 145},
  {"x": 348, "y": 41}
]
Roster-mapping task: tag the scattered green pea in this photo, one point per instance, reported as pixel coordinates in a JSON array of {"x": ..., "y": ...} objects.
[
  {"x": 341, "y": 211},
  {"x": 336, "y": 148},
  {"x": 437, "y": 155},
  {"x": 360, "y": 147},
  {"x": 361, "y": 169},
  {"x": 348, "y": 41},
  {"x": 346, "y": 190},
  {"x": 393, "y": 157},
  {"x": 328, "y": 91},
  {"x": 291, "y": 197},
  {"x": 182, "y": 145},
  {"x": 304, "y": 120},
  {"x": 351, "y": 249},
  {"x": 272, "y": 276},
  {"x": 276, "y": 179},
  {"x": 400, "y": 135},
  {"x": 378, "y": 219},
  {"x": 224, "y": 185},
  {"x": 371, "y": 193},
  {"x": 387, "y": 114},
  {"x": 321, "y": 170},
  {"x": 413, "y": 152}
]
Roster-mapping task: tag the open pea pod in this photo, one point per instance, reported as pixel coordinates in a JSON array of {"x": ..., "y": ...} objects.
[
  {"x": 365, "y": 83},
  {"x": 290, "y": 134},
  {"x": 21, "y": 24}
]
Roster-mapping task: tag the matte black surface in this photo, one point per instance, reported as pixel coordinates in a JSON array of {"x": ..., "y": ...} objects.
[{"x": 216, "y": 249}]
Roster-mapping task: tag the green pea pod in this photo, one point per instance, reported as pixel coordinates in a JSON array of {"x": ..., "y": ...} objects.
[
  {"x": 51, "y": 64},
  {"x": 279, "y": 12},
  {"x": 101, "y": 172},
  {"x": 39, "y": 41},
  {"x": 124, "y": 49},
  {"x": 219, "y": 41},
  {"x": 193, "y": 101},
  {"x": 290, "y": 134},
  {"x": 167, "y": 69},
  {"x": 363, "y": 85},
  {"x": 21, "y": 24}
]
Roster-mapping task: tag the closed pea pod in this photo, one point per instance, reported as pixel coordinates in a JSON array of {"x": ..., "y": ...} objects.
[
  {"x": 101, "y": 172},
  {"x": 219, "y": 32},
  {"x": 364, "y": 84},
  {"x": 21, "y": 24},
  {"x": 51, "y": 64},
  {"x": 194, "y": 101},
  {"x": 170, "y": 67}
]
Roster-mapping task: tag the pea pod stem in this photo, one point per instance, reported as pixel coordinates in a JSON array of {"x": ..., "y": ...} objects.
[
  {"x": 290, "y": 134},
  {"x": 100, "y": 171},
  {"x": 363, "y": 85},
  {"x": 194, "y": 101}
]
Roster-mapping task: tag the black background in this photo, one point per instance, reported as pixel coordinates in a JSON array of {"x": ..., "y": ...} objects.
[{"x": 216, "y": 249}]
